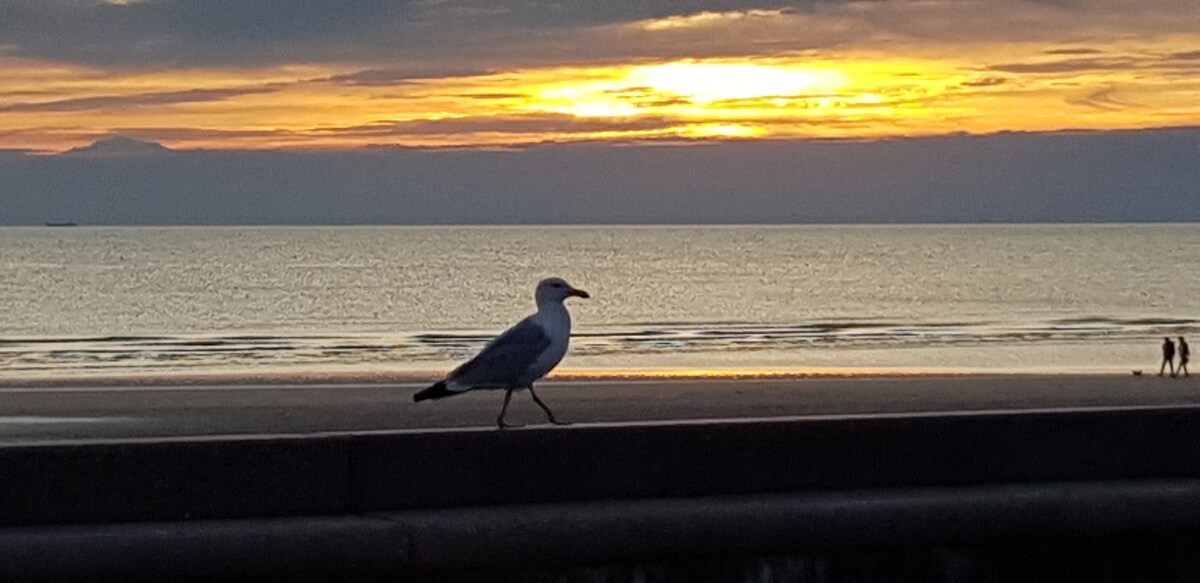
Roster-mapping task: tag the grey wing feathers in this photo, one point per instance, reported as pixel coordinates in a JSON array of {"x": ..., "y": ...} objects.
[{"x": 505, "y": 360}]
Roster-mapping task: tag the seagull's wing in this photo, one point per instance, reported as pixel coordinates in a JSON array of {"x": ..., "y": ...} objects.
[{"x": 503, "y": 361}]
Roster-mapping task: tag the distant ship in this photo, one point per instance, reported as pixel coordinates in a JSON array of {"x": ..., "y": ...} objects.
[{"x": 61, "y": 224}]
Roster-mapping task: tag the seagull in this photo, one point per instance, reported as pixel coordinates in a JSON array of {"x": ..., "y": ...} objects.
[{"x": 520, "y": 356}]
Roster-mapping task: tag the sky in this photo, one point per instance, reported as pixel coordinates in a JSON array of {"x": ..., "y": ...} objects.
[{"x": 243, "y": 95}]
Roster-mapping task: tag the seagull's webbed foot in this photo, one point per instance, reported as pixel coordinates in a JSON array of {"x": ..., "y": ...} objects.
[{"x": 549, "y": 413}]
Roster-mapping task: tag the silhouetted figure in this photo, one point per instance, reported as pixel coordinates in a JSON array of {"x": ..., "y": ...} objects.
[
  {"x": 1185, "y": 353},
  {"x": 1168, "y": 356}
]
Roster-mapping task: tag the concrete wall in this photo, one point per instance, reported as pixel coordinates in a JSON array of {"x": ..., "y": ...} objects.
[{"x": 381, "y": 505}]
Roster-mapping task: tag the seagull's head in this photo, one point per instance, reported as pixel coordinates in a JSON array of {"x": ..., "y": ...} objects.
[{"x": 556, "y": 289}]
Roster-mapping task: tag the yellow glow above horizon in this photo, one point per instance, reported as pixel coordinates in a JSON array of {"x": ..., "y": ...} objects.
[
  {"x": 856, "y": 95},
  {"x": 705, "y": 83},
  {"x": 749, "y": 99},
  {"x": 686, "y": 88}
]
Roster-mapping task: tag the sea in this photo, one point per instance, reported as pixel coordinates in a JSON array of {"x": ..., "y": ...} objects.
[{"x": 394, "y": 303}]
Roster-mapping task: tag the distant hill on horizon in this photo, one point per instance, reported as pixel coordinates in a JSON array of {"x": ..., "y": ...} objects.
[{"x": 118, "y": 145}]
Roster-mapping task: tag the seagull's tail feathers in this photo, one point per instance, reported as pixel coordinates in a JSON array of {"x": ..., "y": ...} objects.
[{"x": 437, "y": 390}]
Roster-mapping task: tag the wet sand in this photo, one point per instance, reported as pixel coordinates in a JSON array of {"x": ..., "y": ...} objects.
[{"x": 45, "y": 414}]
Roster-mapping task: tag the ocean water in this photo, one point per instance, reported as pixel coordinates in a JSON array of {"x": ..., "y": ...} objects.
[{"x": 409, "y": 302}]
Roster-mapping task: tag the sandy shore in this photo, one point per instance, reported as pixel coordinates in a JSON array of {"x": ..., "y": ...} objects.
[{"x": 31, "y": 414}]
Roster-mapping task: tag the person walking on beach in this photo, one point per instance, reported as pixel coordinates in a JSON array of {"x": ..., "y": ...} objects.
[
  {"x": 1168, "y": 356},
  {"x": 1184, "y": 354}
]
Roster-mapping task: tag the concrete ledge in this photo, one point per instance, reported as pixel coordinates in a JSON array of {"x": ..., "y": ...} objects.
[
  {"x": 592, "y": 533},
  {"x": 573, "y": 464},
  {"x": 330, "y": 475},
  {"x": 377, "y": 505},
  {"x": 172, "y": 480},
  {"x": 344, "y": 548},
  {"x": 385, "y": 546}
]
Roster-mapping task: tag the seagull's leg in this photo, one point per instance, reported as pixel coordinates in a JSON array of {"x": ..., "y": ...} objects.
[
  {"x": 549, "y": 413},
  {"x": 500, "y": 420}
]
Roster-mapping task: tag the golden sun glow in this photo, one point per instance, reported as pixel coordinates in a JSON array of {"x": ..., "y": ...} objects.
[
  {"x": 686, "y": 86},
  {"x": 748, "y": 99},
  {"x": 705, "y": 83}
]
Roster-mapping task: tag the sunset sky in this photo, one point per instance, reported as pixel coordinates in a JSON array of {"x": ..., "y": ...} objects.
[
  {"x": 328, "y": 74},
  {"x": 588, "y": 111}
]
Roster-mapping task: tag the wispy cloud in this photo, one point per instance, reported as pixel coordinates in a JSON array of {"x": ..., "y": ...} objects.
[
  {"x": 135, "y": 100},
  {"x": 1068, "y": 65},
  {"x": 396, "y": 76},
  {"x": 1074, "y": 51},
  {"x": 707, "y": 19},
  {"x": 535, "y": 125},
  {"x": 1186, "y": 56},
  {"x": 1104, "y": 98}
]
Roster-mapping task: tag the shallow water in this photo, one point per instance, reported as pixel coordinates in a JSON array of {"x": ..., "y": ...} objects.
[{"x": 411, "y": 301}]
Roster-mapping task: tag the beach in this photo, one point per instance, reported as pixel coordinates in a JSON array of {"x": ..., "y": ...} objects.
[
  {"x": 68, "y": 413},
  {"x": 147, "y": 332}
]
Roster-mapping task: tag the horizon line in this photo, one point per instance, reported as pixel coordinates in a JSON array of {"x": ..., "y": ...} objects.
[
  {"x": 81, "y": 151},
  {"x": 980, "y": 223}
]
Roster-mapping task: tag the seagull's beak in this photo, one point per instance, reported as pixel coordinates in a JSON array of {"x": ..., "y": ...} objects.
[{"x": 579, "y": 293}]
